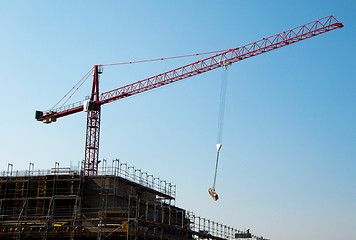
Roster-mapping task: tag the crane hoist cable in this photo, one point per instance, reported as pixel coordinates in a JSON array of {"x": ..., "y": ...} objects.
[{"x": 224, "y": 64}]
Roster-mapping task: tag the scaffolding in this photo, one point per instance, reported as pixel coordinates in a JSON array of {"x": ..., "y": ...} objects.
[{"x": 121, "y": 202}]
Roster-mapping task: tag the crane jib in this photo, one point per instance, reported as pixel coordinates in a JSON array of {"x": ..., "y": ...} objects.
[{"x": 231, "y": 56}]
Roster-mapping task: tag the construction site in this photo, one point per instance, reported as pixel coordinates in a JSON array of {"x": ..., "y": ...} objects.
[
  {"x": 112, "y": 200},
  {"x": 120, "y": 202}
]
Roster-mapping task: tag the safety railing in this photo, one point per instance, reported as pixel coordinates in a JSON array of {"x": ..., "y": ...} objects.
[
  {"x": 138, "y": 176},
  {"x": 183, "y": 220},
  {"x": 212, "y": 228},
  {"x": 117, "y": 168}
]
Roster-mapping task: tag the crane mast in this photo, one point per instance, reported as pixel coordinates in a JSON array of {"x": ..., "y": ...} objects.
[
  {"x": 93, "y": 109},
  {"x": 93, "y": 106}
]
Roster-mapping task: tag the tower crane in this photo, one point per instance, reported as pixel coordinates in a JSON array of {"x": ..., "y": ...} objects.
[{"x": 93, "y": 105}]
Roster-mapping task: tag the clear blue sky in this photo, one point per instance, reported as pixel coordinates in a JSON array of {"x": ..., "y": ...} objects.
[{"x": 287, "y": 167}]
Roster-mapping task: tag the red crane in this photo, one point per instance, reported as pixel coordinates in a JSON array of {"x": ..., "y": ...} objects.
[{"x": 93, "y": 105}]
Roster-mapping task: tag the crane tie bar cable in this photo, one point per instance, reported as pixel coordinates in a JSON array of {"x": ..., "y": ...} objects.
[
  {"x": 86, "y": 76},
  {"x": 80, "y": 83},
  {"x": 166, "y": 58}
]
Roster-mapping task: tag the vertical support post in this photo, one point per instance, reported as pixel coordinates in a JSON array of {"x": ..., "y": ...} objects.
[
  {"x": 199, "y": 225},
  {"x": 154, "y": 218},
  {"x": 9, "y": 169},
  {"x": 162, "y": 218},
  {"x": 128, "y": 218},
  {"x": 146, "y": 217}
]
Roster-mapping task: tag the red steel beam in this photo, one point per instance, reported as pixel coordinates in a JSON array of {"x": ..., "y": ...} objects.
[{"x": 279, "y": 40}]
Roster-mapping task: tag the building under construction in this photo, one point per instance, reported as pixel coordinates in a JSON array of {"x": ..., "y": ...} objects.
[{"x": 120, "y": 202}]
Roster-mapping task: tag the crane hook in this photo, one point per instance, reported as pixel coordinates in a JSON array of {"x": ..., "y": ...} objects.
[{"x": 213, "y": 194}]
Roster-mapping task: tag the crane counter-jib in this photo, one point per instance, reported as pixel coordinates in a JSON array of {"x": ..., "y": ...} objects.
[{"x": 51, "y": 116}]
